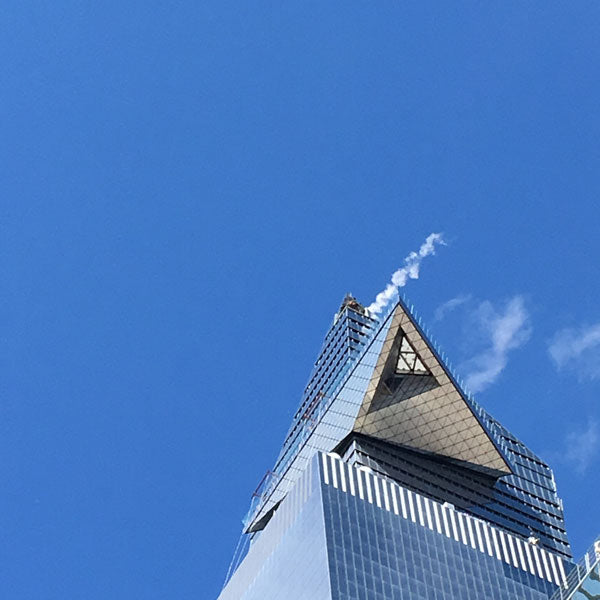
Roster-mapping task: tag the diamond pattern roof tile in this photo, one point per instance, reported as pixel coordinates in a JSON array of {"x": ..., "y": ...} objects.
[{"x": 438, "y": 420}]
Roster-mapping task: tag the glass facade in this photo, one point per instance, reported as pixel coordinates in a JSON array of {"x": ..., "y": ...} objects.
[
  {"x": 394, "y": 483},
  {"x": 583, "y": 580},
  {"x": 288, "y": 559},
  {"x": 329, "y": 405},
  {"x": 390, "y": 544},
  {"x": 589, "y": 589},
  {"x": 343, "y": 533},
  {"x": 374, "y": 556}
]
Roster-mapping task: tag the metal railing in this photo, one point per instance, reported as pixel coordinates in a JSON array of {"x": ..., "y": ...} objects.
[{"x": 579, "y": 572}]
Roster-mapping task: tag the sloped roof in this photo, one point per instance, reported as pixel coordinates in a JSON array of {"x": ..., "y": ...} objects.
[{"x": 413, "y": 400}]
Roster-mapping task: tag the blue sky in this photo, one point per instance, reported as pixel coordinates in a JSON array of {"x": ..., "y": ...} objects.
[{"x": 188, "y": 191}]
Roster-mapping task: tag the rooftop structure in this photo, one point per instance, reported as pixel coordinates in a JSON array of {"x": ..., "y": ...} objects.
[{"x": 384, "y": 422}]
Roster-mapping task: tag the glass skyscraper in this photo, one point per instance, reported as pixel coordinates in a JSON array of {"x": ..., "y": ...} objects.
[{"x": 393, "y": 483}]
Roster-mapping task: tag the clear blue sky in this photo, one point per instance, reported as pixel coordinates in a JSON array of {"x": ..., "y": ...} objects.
[{"x": 188, "y": 190}]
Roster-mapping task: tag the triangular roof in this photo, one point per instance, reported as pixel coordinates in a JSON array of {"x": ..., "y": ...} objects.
[{"x": 413, "y": 400}]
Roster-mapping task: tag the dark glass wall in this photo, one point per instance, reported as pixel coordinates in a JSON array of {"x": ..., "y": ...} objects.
[{"x": 374, "y": 555}]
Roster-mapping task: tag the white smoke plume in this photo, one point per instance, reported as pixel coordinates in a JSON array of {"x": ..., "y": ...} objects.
[{"x": 410, "y": 270}]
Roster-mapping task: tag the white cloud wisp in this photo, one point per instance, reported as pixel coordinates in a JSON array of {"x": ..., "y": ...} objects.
[
  {"x": 582, "y": 447},
  {"x": 410, "y": 270},
  {"x": 505, "y": 331},
  {"x": 443, "y": 309},
  {"x": 577, "y": 350}
]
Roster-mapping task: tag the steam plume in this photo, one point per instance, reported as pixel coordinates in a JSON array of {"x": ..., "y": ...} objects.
[{"x": 410, "y": 270}]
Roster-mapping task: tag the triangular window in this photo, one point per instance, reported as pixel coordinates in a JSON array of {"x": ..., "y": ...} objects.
[{"x": 408, "y": 361}]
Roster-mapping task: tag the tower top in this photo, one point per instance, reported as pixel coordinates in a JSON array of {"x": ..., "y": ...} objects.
[{"x": 350, "y": 301}]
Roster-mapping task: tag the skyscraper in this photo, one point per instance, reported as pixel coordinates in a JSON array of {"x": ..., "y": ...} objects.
[{"x": 393, "y": 483}]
